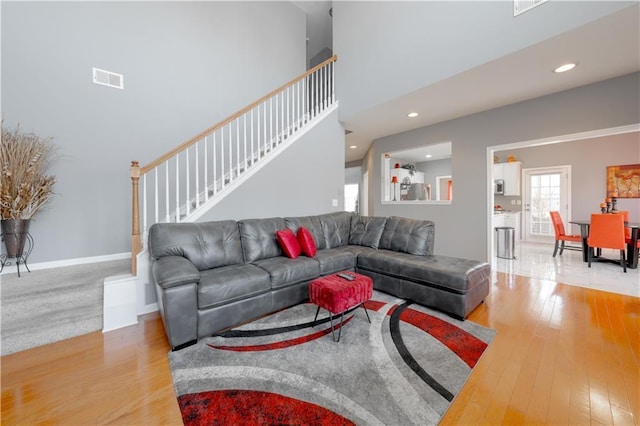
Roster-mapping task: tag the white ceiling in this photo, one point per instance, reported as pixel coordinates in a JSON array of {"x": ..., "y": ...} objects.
[{"x": 607, "y": 48}]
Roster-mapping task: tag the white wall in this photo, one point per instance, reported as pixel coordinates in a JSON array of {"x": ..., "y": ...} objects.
[{"x": 186, "y": 65}]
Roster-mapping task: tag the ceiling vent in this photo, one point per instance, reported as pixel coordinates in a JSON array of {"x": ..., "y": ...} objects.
[
  {"x": 108, "y": 78},
  {"x": 521, "y": 6}
]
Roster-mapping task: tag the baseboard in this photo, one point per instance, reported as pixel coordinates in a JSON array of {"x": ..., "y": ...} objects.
[
  {"x": 10, "y": 269},
  {"x": 147, "y": 309}
]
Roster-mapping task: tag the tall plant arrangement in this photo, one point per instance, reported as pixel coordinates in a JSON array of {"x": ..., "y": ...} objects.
[{"x": 25, "y": 185}]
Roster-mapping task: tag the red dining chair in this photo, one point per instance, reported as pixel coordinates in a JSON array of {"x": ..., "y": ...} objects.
[
  {"x": 627, "y": 230},
  {"x": 561, "y": 236},
  {"x": 607, "y": 231}
]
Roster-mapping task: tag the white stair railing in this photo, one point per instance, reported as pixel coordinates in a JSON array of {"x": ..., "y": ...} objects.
[{"x": 179, "y": 183}]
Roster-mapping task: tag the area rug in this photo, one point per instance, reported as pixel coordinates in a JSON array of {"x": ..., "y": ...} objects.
[{"x": 405, "y": 367}]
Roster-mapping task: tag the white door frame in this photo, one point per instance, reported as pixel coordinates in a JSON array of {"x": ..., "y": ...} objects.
[
  {"x": 565, "y": 200},
  {"x": 537, "y": 142}
]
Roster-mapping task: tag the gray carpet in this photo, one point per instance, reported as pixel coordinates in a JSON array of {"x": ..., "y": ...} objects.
[
  {"x": 404, "y": 368},
  {"x": 54, "y": 304}
]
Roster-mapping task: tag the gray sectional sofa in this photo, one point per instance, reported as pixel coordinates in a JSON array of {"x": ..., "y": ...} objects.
[{"x": 212, "y": 275}]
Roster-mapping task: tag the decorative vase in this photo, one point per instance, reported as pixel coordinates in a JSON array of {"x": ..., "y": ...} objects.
[{"x": 14, "y": 234}]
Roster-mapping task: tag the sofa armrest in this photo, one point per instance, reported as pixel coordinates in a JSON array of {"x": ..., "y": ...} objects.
[{"x": 172, "y": 271}]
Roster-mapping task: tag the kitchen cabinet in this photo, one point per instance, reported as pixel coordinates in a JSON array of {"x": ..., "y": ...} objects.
[
  {"x": 510, "y": 173},
  {"x": 418, "y": 177}
]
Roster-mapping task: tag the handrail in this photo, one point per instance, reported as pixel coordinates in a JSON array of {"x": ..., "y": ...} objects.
[
  {"x": 317, "y": 92},
  {"x": 144, "y": 169}
]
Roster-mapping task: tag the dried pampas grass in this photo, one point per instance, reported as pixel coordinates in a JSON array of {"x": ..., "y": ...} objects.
[{"x": 25, "y": 187}]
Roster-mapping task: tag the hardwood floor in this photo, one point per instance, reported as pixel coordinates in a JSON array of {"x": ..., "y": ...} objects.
[{"x": 562, "y": 355}]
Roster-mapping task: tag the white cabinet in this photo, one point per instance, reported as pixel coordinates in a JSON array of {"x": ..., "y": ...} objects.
[
  {"x": 510, "y": 173},
  {"x": 418, "y": 177}
]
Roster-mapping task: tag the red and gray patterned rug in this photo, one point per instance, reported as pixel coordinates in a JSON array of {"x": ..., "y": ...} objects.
[{"x": 403, "y": 368}]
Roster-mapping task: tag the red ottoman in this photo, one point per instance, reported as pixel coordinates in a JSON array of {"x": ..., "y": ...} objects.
[{"x": 337, "y": 295}]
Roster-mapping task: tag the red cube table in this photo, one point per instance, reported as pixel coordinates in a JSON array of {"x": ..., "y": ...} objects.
[{"x": 337, "y": 295}]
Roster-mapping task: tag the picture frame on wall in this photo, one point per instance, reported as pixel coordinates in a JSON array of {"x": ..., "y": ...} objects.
[{"x": 623, "y": 181}]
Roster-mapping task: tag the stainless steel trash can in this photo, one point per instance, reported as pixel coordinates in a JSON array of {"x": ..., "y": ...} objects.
[{"x": 505, "y": 237}]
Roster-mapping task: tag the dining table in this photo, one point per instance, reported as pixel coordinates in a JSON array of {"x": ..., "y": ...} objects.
[{"x": 632, "y": 245}]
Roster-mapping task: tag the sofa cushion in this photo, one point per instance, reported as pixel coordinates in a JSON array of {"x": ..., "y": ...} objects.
[
  {"x": 259, "y": 238},
  {"x": 449, "y": 273},
  {"x": 288, "y": 243},
  {"x": 336, "y": 260},
  {"x": 335, "y": 228},
  {"x": 207, "y": 244},
  {"x": 285, "y": 272},
  {"x": 228, "y": 284},
  {"x": 408, "y": 235},
  {"x": 366, "y": 231},
  {"x": 306, "y": 242},
  {"x": 312, "y": 223}
]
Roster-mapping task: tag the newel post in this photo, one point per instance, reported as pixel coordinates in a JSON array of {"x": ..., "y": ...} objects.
[{"x": 136, "y": 242}]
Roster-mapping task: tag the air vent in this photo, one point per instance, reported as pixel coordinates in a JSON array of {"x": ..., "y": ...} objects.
[
  {"x": 108, "y": 78},
  {"x": 521, "y": 6}
]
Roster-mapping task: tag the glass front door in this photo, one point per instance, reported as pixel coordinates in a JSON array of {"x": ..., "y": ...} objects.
[{"x": 546, "y": 189}]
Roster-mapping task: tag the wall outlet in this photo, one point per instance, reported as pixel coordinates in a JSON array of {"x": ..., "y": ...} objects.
[
  {"x": 513, "y": 202},
  {"x": 334, "y": 202}
]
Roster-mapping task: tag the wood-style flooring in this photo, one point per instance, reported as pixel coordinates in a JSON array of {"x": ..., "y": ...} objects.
[{"x": 562, "y": 355}]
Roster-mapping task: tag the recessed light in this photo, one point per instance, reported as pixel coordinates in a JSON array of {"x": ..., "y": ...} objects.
[
  {"x": 412, "y": 114},
  {"x": 565, "y": 67},
  {"x": 353, "y": 146},
  {"x": 428, "y": 155}
]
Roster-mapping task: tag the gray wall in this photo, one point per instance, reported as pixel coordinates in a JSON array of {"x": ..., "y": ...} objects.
[
  {"x": 432, "y": 169},
  {"x": 589, "y": 159},
  {"x": 186, "y": 65},
  {"x": 301, "y": 181},
  {"x": 461, "y": 228},
  {"x": 382, "y": 45}
]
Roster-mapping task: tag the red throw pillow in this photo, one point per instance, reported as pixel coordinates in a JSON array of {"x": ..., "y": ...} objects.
[
  {"x": 288, "y": 243},
  {"x": 307, "y": 244}
]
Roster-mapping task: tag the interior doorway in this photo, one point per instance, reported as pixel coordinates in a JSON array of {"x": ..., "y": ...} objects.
[{"x": 491, "y": 150}]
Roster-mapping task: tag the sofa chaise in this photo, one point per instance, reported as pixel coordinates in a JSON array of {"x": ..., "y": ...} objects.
[{"x": 213, "y": 275}]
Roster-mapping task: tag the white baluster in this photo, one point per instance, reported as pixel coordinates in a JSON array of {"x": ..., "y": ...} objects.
[
  {"x": 253, "y": 159},
  {"x": 333, "y": 82},
  {"x": 304, "y": 100},
  {"x": 215, "y": 166},
  {"x": 237, "y": 146},
  {"x": 177, "y": 187},
  {"x": 222, "y": 157},
  {"x": 268, "y": 141},
  {"x": 155, "y": 195},
  {"x": 144, "y": 201},
  {"x": 206, "y": 170},
  {"x": 187, "y": 175},
  {"x": 288, "y": 95},
  {"x": 197, "y": 175},
  {"x": 277, "y": 120},
  {"x": 264, "y": 113},
  {"x": 244, "y": 138},
  {"x": 315, "y": 93},
  {"x": 230, "y": 152},
  {"x": 166, "y": 190}
]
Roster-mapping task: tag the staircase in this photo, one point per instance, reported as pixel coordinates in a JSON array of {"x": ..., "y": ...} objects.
[{"x": 183, "y": 184}]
